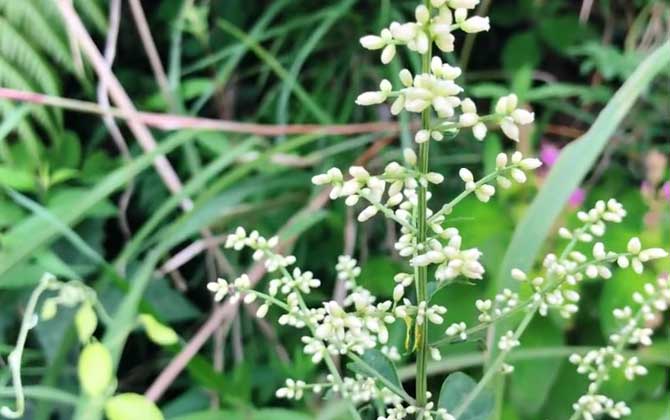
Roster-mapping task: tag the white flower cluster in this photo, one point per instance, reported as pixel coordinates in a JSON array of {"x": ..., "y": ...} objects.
[
  {"x": 262, "y": 247},
  {"x": 598, "y": 364},
  {"x": 347, "y": 271},
  {"x": 594, "y": 220},
  {"x": 516, "y": 169},
  {"x": 400, "y": 412},
  {"x": 398, "y": 183},
  {"x": 555, "y": 290},
  {"x": 417, "y": 35},
  {"x": 438, "y": 89}
]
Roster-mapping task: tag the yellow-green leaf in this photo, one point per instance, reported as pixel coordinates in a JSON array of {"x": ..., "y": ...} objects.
[
  {"x": 86, "y": 322},
  {"x": 132, "y": 407},
  {"x": 95, "y": 369},
  {"x": 157, "y": 332}
]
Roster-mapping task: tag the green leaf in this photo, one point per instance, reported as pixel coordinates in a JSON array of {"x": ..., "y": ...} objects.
[
  {"x": 563, "y": 32},
  {"x": 375, "y": 364},
  {"x": 456, "y": 388},
  {"x": 521, "y": 49},
  {"x": 16, "y": 178},
  {"x": 95, "y": 369},
  {"x": 157, "y": 332},
  {"x": 652, "y": 410},
  {"x": 528, "y": 390},
  {"x": 132, "y": 407}
]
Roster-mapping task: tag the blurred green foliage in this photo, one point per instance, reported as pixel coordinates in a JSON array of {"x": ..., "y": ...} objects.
[{"x": 293, "y": 61}]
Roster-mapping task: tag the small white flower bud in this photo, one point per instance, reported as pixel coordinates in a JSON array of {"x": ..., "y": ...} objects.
[
  {"x": 634, "y": 246},
  {"x": 460, "y": 15},
  {"x": 385, "y": 86},
  {"x": 371, "y": 98},
  {"x": 519, "y": 275},
  {"x": 422, "y": 14},
  {"x": 422, "y": 136},
  {"x": 434, "y": 178},
  {"x": 398, "y": 292},
  {"x": 468, "y": 119},
  {"x": 510, "y": 129},
  {"x": 410, "y": 156},
  {"x": 466, "y": 175},
  {"x": 479, "y": 131},
  {"x": 501, "y": 160},
  {"x": 406, "y": 77},
  {"x": 523, "y": 117},
  {"x": 372, "y": 42},
  {"x": 503, "y": 182},
  {"x": 518, "y": 175},
  {"x": 475, "y": 24},
  {"x": 388, "y": 54},
  {"x": 530, "y": 164},
  {"x": 262, "y": 311},
  {"x": 468, "y": 106},
  {"x": 367, "y": 213}
]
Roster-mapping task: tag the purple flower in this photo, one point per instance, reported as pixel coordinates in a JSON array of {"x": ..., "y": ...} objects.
[
  {"x": 666, "y": 190},
  {"x": 577, "y": 198},
  {"x": 549, "y": 154}
]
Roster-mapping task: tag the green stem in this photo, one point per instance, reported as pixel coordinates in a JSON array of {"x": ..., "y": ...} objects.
[
  {"x": 421, "y": 273},
  {"x": 495, "y": 367},
  {"x": 29, "y": 321}
]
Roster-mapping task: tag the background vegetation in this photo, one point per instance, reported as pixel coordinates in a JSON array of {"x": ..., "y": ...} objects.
[{"x": 81, "y": 199}]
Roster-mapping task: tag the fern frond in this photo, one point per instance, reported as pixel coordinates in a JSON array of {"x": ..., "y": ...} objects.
[
  {"x": 13, "y": 46},
  {"x": 24, "y": 130},
  {"x": 45, "y": 32},
  {"x": 93, "y": 12},
  {"x": 11, "y": 77}
]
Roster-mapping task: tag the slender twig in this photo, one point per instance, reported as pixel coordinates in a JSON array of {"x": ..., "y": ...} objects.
[
  {"x": 108, "y": 120},
  {"x": 169, "y": 122},
  {"x": 152, "y": 52}
]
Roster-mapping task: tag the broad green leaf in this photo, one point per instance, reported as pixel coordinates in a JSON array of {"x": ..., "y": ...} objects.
[
  {"x": 95, "y": 369},
  {"x": 86, "y": 322},
  {"x": 528, "y": 389},
  {"x": 16, "y": 178},
  {"x": 455, "y": 390},
  {"x": 132, "y": 407},
  {"x": 157, "y": 332},
  {"x": 652, "y": 410}
]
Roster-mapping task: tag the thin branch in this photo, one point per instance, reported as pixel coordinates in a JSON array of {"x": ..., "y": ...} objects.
[
  {"x": 152, "y": 52},
  {"x": 168, "y": 122},
  {"x": 120, "y": 97},
  {"x": 110, "y": 123}
]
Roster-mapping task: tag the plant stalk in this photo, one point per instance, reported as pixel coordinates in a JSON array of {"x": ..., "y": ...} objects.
[{"x": 421, "y": 273}]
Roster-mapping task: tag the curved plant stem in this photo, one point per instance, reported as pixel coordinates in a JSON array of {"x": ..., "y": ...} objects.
[{"x": 28, "y": 323}]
